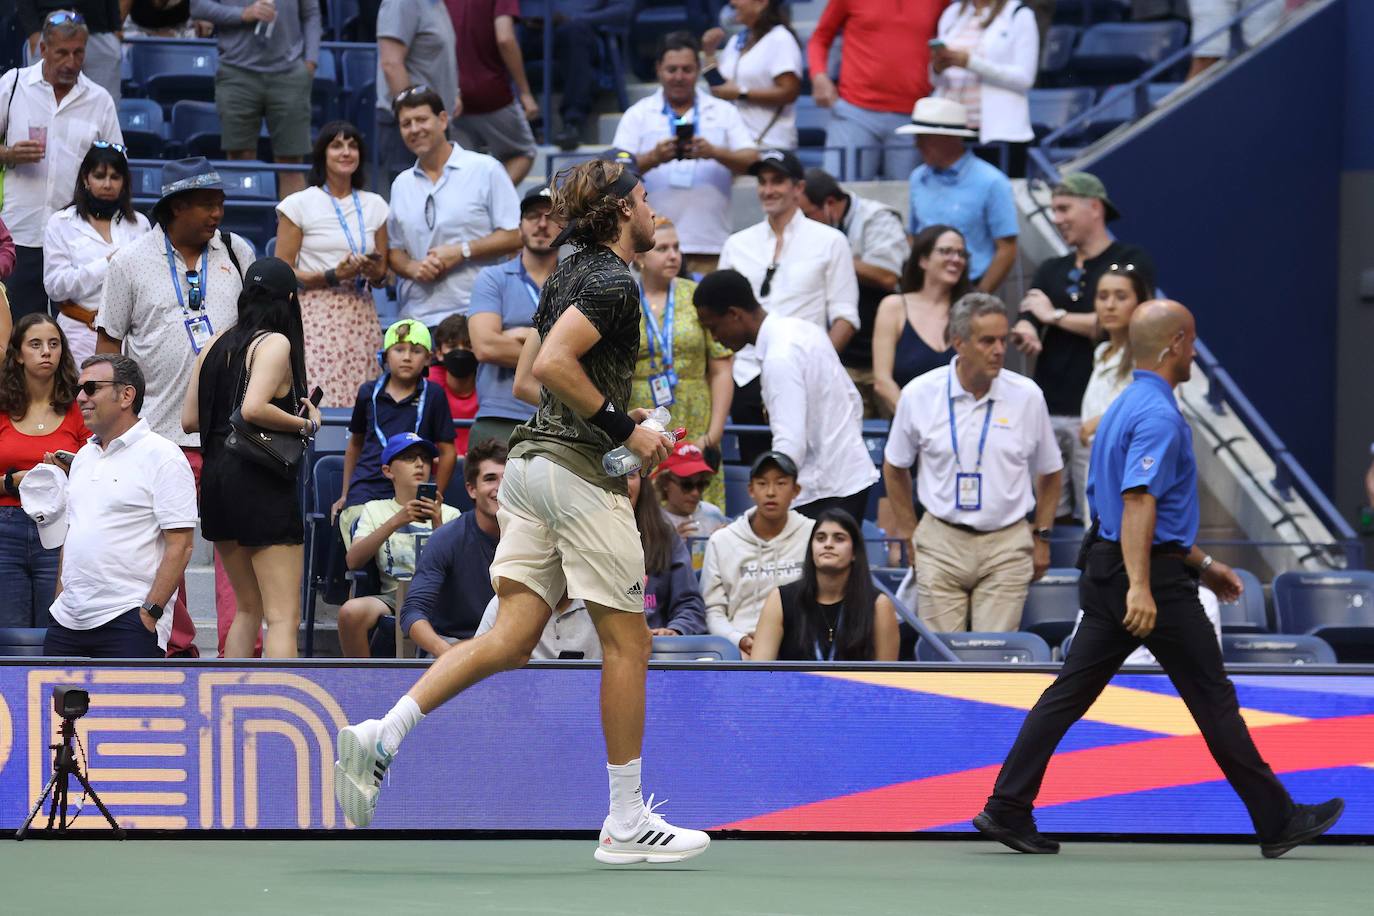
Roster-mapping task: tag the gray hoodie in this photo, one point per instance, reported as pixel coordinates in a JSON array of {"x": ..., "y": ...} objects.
[{"x": 741, "y": 568}]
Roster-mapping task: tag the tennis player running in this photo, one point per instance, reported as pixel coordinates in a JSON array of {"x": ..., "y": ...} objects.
[{"x": 565, "y": 525}]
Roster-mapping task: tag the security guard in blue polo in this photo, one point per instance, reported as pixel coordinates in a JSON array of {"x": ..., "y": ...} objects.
[{"x": 1140, "y": 584}]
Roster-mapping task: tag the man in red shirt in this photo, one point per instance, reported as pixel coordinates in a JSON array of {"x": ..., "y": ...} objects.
[
  {"x": 493, "y": 120},
  {"x": 884, "y": 69}
]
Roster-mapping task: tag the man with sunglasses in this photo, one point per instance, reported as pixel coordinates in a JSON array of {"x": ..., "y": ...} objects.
[
  {"x": 1060, "y": 305},
  {"x": 50, "y": 113}
]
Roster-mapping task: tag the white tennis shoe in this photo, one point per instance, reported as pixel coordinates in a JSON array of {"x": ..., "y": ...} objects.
[
  {"x": 359, "y": 770},
  {"x": 652, "y": 840}
]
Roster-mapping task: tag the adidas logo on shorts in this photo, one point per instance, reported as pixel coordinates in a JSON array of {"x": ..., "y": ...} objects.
[{"x": 635, "y": 591}]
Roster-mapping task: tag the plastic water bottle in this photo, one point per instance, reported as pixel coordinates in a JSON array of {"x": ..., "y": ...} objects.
[{"x": 620, "y": 461}]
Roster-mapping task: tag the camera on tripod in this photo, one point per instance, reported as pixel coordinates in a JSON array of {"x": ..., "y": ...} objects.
[{"x": 70, "y": 702}]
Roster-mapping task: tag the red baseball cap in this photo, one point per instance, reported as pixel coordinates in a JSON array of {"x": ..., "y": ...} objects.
[{"x": 685, "y": 461}]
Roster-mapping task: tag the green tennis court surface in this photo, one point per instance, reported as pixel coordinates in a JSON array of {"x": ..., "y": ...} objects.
[{"x": 383, "y": 877}]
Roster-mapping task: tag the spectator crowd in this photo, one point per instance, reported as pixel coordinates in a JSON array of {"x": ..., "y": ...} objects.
[{"x": 150, "y": 357}]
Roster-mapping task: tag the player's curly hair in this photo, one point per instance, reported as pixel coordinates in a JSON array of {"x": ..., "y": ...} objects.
[{"x": 581, "y": 202}]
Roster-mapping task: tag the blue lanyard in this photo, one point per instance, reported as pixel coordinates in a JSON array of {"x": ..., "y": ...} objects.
[
  {"x": 839, "y": 621},
  {"x": 530, "y": 286},
  {"x": 343, "y": 223},
  {"x": 656, "y": 334},
  {"x": 419, "y": 408},
  {"x": 176, "y": 284},
  {"x": 674, "y": 120},
  {"x": 953, "y": 431}
]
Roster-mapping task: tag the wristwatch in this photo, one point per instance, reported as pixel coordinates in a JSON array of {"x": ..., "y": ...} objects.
[
  {"x": 1206, "y": 563},
  {"x": 743, "y": 95},
  {"x": 1057, "y": 316},
  {"x": 467, "y": 251},
  {"x": 1042, "y": 534},
  {"x": 153, "y": 610}
]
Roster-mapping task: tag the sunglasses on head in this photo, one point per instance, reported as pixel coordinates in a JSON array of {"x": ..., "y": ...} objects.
[
  {"x": 117, "y": 147},
  {"x": 1122, "y": 268},
  {"x": 62, "y": 17},
  {"x": 408, "y": 92}
]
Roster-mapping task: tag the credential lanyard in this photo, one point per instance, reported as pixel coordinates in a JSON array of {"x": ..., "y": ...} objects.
[
  {"x": 660, "y": 336},
  {"x": 419, "y": 408},
  {"x": 954, "y": 432},
  {"x": 176, "y": 284},
  {"x": 360, "y": 248},
  {"x": 530, "y": 286},
  {"x": 839, "y": 621},
  {"x": 674, "y": 120}
]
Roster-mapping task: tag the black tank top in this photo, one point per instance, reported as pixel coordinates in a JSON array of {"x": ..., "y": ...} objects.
[
  {"x": 827, "y": 624},
  {"x": 915, "y": 357}
]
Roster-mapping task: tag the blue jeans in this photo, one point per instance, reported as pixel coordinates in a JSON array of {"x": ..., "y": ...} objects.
[
  {"x": 852, "y": 127},
  {"x": 28, "y": 572}
]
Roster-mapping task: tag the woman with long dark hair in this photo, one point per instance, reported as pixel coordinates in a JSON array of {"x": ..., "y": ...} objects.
[
  {"x": 833, "y": 612},
  {"x": 673, "y": 605},
  {"x": 760, "y": 70},
  {"x": 909, "y": 331},
  {"x": 252, "y": 513},
  {"x": 333, "y": 234},
  {"x": 38, "y": 417},
  {"x": 80, "y": 241}
]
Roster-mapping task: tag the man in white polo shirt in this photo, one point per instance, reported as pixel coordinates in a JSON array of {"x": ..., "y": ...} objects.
[
  {"x": 689, "y": 146},
  {"x": 814, "y": 410},
  {"x": 131, "y": 513},
  {"x": 980, "y": 436},
  {"x": 797, "y": 267}
]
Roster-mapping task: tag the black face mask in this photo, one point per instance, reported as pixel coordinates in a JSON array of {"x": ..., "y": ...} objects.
[
  {"x": 460, "y": 363},
  {"x": 101, "y": 209}
]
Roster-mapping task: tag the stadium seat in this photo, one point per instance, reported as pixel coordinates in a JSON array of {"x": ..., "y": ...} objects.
[
  {"x": 694, "y": 649},
  {"x": 358, "y": 67},
  {"x": 21, "y": 640},
  {"x": 1052, "y": 606},
  {"x": 651, "y": 20},
  {"x": 1085, "y": 12},
  {"x": 1121, "y": 51},
  {"x": 248, "y": 182},
  {"x": 889, "y": 577},
  {"x": 1051, "y": 109},
  {"x": 1054, "y": 57},
  {"x": 324, "y": 566},
  {"x": 171, "y": 71},
  {"x": 144, "y": 128},
  {"x": 341, "y": 18},
  {"x": 333, "y": 435},
  {"x": 195, "y": 127},
  {"x": 737, "y": 500},
  {"x": 1122, "y": 106},
  {"x": 994, "y": 648},
  {"x": 1246, "y": 615},
  {"x": 1276, "y": 650},
  {"x": 147, "y": 181},
  {"x": 812, "y": 121},
  {"x": 324, "y": 93},
  {"x": 456, "y": 493},
  {"x": 1065, "y": 540},
  {"x": 1338, "y": 606}
]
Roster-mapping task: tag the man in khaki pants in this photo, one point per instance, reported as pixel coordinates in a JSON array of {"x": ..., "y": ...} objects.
[{"x": 981, "y": 434}]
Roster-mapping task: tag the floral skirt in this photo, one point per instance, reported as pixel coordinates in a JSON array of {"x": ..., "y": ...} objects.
[{"x": 342, "y": 337}]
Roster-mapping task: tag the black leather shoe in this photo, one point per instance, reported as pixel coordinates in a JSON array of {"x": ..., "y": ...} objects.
[
  {"x": 1307, "y": 823},
  {"x": 569, "y": 138},
  {"x": 1026, "y": 839}
]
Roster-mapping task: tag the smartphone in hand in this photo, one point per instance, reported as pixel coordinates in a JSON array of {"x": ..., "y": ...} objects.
[
  {"x": 429, "y": 491},
  {"x": 65, "y": 457}
]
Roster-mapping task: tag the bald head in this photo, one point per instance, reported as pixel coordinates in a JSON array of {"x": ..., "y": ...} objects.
[{"x": 1162, "y": 335}]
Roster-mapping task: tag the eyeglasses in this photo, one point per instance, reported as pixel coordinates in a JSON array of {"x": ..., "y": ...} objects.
[
  {"x": 1075, "y": 287},
  {"x": 946, "y": 251},
  {"x": 768, "y": 280},
  {"x": 195, "y": 297},
  {"x": 106, "y": 144},
  {"x": 62, "y": 17},
  {"x": 90, "y": 388}
]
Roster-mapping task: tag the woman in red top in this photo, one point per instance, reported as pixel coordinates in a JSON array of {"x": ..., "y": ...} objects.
[{"x": 38, "y": 416}]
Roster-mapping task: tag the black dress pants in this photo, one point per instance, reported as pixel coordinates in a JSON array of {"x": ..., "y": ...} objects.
[
  {"x": 1186, "y": 646},
  {"x": 855, "y": 504},
  {"x": 746, "y": 409},
  {"x": 25, "y": 285}
]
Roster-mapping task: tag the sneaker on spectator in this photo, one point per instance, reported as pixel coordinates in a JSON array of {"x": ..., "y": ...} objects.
[
  {"x": 359, "y": 770},
  {"x": 652, "y": 840}
]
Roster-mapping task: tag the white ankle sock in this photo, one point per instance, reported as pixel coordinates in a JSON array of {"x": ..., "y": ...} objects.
[
  {"x": 396, "y": 724},
  {"x": 626, "y": 801}
]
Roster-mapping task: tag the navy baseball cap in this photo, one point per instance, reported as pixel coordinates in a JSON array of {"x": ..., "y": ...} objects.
[
  {"x": 402, "y": 441},
  {"x": 773, "y": 459}
]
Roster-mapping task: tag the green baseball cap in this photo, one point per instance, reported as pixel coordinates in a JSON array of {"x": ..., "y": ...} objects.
[
  {"x": 410, "y": 331},
  {"x": 1084, "y": 184}
]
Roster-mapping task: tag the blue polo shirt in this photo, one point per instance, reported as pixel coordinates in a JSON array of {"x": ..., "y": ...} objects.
[
  {"x": 506, "y": 290},
  {"x": 1144, "y": 441},
  {"x": 973, "y": 197},
  {"x": 435, "y": 423}
]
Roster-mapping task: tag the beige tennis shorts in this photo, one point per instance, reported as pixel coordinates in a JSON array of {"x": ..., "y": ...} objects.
[{"x": 560, "y": 533}]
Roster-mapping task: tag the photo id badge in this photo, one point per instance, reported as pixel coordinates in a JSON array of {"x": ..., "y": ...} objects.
[
  {"x": 200, "y": 332},
  {"x": 661, "y": 389},
  {"x": 968, "y": 492},
  {"x": 682, "y": 173}
]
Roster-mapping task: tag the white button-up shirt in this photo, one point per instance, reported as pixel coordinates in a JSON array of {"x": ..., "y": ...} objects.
[
  {"x": 1020, "y": 444},
  {"x": 472, "y": 199},
  {"x": 814, "y": 279},
  {"x": 119, "y": 501},
  {"x": 76, "y": 257},
  {"x": 36, "y": 191},
  {"x": 814, "y": 410},
  {"x": 693, "y": 193}
]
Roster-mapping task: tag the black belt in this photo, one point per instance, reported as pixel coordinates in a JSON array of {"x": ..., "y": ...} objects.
[
  {"x": 969, "y": 529},
  {"x": 1168, "y": 548}
]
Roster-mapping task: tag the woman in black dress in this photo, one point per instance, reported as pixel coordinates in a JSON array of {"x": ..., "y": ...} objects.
[
  {"x": 251, "y": 513},
  {"x": 832, "y": 613}
]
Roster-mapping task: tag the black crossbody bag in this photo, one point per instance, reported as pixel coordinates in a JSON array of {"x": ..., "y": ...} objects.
[{"x": 277, "y": 451}]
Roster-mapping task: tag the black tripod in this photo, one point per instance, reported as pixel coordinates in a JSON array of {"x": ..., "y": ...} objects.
[{"x": 64, "y": 765}]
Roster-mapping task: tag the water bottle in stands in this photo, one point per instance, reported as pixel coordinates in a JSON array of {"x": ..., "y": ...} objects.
[{"x": 620, "y": 461}]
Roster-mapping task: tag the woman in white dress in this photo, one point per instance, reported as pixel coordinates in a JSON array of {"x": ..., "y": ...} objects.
[
  {"x": 79, "y": 242},
  {"x": 760, "y": 70},
  {"x": 333, "y": 234}
]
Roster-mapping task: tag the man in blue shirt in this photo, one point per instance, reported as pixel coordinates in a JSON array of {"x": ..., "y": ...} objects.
[
  {"x": 1141, "y": 568},
  {"x": 953, "y": 187}
]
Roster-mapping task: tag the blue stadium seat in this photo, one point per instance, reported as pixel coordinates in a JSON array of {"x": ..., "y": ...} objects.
[
  {"x": 358, "y": 67},
  {"x": 324, "y": 567},
  {"x": 248, "y": 182},
  {"x": 993, "y": 648},
  {"x": 333, "y": 435},
  {"x": 21, "y": 641},
  {"x": 1276, "y": 649},
  {"x": 1246, "y": 615},
  {"x": 737, "y": 500},
  {"x": 1084, "y": 12},
  {"x": 324, "y": 92},
  {"x": 342, "y": 14},
  {"x": 694, "y": 649},
  {"x": 456, "y": 493},
  {"x": 195, "y": 126},
  {"x": 1338, "y": 606},
  {"x": 1054, "y": 56},
  {"x": 651, "y": 20},
  {"x": 1051, "y": 109},
  {"x": 171, "y": 71},
  {"x": 1065, "y": 540},
  {"x": 1052, "y": 606},
  {"x": 147, "y": 180},
  {"x": 1121, "y": 51},
  {"x": 812, "y": 121},
  {"x": 143, "y": 126}
]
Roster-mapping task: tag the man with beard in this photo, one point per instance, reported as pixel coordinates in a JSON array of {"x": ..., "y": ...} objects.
[
  {"x": 500, "y": 315},
  {"x": 567, "y": 527}
]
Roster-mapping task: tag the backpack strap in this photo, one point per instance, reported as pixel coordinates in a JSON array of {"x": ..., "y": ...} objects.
[{"x": 228, "y": 239}]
